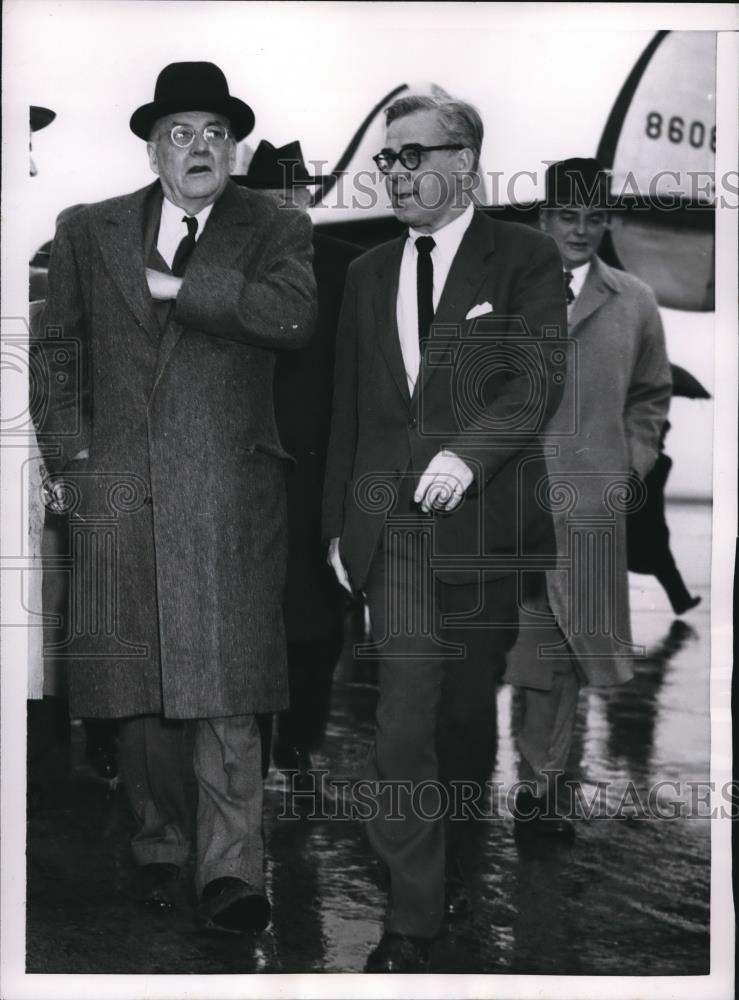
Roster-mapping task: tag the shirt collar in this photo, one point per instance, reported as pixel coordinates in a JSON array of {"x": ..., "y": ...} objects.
[
  {"x": 579, "y": 275},
  {"x": 448, "y": 238},
  {"x": 172, "y": 215}
]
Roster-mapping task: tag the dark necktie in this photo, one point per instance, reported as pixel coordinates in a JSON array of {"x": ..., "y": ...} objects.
[
  {"x": 568, "y": 288},
  {"x": 424, "y": 287},
  {"x": 186, "y": 247}
]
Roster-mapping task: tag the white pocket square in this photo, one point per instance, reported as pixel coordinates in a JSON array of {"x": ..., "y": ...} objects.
[{"x": 480, "y": 310}]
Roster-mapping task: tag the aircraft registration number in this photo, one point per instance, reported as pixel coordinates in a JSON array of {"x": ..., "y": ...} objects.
[{"x": 677, "y": 130}]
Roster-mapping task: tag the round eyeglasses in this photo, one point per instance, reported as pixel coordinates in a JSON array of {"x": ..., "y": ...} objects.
[
  {"x": 183, "y": 136},
  {"x": 409, "y": 155}
]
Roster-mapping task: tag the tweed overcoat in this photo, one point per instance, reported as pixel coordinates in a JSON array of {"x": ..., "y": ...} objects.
[
  {"x": 178, "y": 527},
  {"x": 488, "y": 383},
  {"x": 619, "y": 390}
]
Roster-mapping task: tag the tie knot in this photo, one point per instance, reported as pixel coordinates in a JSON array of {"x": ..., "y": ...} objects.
[
  {"x": 425, "y": 244},
  {"x": 191, "y": 223}
]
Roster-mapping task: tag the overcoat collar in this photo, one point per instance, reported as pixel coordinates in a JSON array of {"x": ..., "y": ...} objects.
[
  {"x": 470, "y": 268},
  {"x": 599, "y": 286}
]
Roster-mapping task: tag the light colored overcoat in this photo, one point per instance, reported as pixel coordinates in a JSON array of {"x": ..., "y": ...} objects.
[{"x": 618, "y": 388}]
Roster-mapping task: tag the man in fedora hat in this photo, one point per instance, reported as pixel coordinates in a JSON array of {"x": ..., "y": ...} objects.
[
  {"x": 621, "y": 389},
  {"x": 175, "y": 301},
  {"x": 313, "y": 602}
]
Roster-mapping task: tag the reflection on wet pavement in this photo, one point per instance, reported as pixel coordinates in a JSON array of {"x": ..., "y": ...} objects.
[{"x": 630, "y": 897}]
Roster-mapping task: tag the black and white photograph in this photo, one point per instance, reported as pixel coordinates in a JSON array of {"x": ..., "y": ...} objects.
[{"x": 368, "y": 495}]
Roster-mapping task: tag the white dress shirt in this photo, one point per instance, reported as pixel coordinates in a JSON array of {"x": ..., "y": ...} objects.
[
  {"x": 172, "y": 229},
  {"x": 579, "y": 275},
  {"x": 447, "y": 240}
]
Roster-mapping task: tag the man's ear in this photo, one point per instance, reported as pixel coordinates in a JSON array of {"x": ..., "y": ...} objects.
[
  {"x": 232, "y": 158},
  {"x": 151, "y": 149},
  {"x": 466, "y": 160}
]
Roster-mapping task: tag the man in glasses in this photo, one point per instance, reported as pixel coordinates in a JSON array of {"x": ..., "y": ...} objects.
[
  {"x": 172, "y": 303},
  {"x": 444, "y": 379}
]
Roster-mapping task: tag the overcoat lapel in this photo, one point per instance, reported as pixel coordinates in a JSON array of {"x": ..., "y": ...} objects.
[
  {"x": 120, "y": 234},
  {"x": 470, "y": 269},
  {"x": 385, "y": 302},
  {"x": 597, "y": 289}
]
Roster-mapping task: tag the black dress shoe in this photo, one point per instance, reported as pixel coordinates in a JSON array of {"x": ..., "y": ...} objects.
[
  {"x": 156, "y": 885},
  {"x": 456, "y": 893},
  {"x": 533, "y": 819},
  {"x": 398, "y": 953},
  {"x": 229, "y": 906},
  {"x": 686, "y": 604}
]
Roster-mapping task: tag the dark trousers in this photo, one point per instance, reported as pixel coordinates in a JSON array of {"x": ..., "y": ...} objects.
[
  {"x": 673, "y": 584},
  {"x": 436, "y": 720},
  {"x": 310, "y": 665}
]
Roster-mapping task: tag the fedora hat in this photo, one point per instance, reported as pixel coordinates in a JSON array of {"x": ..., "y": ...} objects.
[
  {"x": 193, "y": 86},
  {"x": 277, "y": 168},
  {"x": 579, "y": 181},
  {"x": 41, "y": 117}
]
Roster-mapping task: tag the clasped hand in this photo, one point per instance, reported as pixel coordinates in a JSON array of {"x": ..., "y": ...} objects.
[{"x": 162, "y": 286}]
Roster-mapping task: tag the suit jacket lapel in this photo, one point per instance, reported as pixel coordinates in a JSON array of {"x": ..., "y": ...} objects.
[
  {"x": 385, "y": 303},
  {"x": 120, "y": 234},
  {"x": 597, "y": 288},
  {"x": 470, "y": 268}
]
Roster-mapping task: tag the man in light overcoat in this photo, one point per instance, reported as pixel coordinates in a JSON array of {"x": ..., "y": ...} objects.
[
  {"x": 575, "y": 623},
  {"x": 174, "y": 302}
]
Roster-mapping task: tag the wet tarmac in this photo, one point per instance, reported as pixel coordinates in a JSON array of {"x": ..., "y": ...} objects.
[{"x": 630, "y": 897}]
